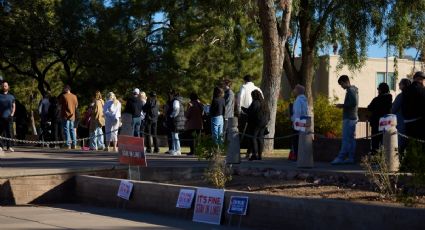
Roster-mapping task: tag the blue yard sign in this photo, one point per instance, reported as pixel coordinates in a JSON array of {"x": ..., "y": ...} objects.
[{"x": 238, "y": 205}]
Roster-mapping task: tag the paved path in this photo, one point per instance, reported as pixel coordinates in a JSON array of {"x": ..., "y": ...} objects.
[
  {"x": 75, "y": 216},
  {"x": 38, "y": 161}
]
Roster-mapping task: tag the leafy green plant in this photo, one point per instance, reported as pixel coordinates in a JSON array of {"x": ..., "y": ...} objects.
[
  {"x": 327, "y": 117},
  {"x": 217, "y": 173},
  {"x": 413, "y": 162}
]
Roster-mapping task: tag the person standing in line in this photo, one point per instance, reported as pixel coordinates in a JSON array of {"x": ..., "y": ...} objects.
[
  {"x": 97, "y": 121},
  {"x": 194, "y": 122},
  {"x": 350, "y": 117},
  {"x": 258, "y": 118},
  {"x": 177, "y": 122},
  {"x": 229, "y": 99},
  {"x": 396, "y": 109},
  {"x": 134, "y": 107},
  {"x": 55, "y": 119},
  {"x": 217, "y": 111},
  {"x": 143, "y": 98},
  {"x": 413, "y": 107},
  {"x": 43, "y": 111},
  {"x": 168, "y": 123},
  {"x": 379, "y": 107},
  {"x": 299, "y": 109},
  {"x": 68, "y": 103},
  {"x": 112, "y": 111},
  {"x": 151, "y": 110},
  {"x": 7, "y": 110},
  {"x": 244, "y": 100}
]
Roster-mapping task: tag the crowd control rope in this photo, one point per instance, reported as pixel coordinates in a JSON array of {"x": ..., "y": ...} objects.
[{"x": 41, "y": 142}]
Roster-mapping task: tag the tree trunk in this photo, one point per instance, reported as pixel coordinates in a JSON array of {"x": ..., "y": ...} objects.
[{"x": 274, "y": 39}]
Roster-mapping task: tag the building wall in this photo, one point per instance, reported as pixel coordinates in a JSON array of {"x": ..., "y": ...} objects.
[
  {"x": 326, "y": 78},
  {"x": 365, "y": 78}
]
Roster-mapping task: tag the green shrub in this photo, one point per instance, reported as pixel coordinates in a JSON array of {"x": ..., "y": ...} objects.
[
  {"x": 327, "y": 118},
  {"x": 283, "y": 124},
  {"x": 217, "y": 173},
  {"x": 414, "y": 162}
]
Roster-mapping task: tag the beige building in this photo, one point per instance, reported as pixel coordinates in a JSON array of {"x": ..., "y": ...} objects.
[{"x": 366, "y": 79}]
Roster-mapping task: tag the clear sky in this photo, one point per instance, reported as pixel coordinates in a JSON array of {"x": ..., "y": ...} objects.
[{"x": 378, "y": 51}]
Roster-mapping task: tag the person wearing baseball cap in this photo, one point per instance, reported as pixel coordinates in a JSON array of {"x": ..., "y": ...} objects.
[
  {"x": 136, "y": 91},
  {"x": 134, "y": 107},
  {"x": 413, "y": 107}
]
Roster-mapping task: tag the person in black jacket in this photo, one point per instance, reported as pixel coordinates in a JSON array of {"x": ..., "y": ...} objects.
[
  {"x": 134, "y": 107},
  {"x": 413, "y": 107},
  {"x": 258, "y": 117},
  {"x": 379, "y": 107},
  {"x": 151, "y": 110},
  {"x": 217, "y": 111}
]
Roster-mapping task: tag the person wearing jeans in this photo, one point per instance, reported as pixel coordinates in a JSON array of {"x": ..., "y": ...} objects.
[
  {"x": 68, "y": 104},
  {"x": 176, "y": 122},
  {"x": 68, "y": 128},
  {"x": 97, "y": 121},
  {"x": 134, "y": 107},
  {"x": 217, "y": 111},
  {"x": 348, "y": 148}
]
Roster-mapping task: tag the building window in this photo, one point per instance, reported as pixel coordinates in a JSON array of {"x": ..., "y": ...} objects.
[{"x": 390, "y": 80}]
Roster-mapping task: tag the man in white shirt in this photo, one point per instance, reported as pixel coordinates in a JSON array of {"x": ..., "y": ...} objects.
[
  {"x": 244, "y": 99},
  {"x": 244, "y": 96}
]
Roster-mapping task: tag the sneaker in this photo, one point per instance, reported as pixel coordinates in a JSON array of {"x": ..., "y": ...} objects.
[
  {"x": 148, "y": 151},
  {"x": 11, "y": 150},
  {"x": 156, "y": 151},
  {"x": 115, "y": 149},
  {"x": 337, "y": 161},
  {"x": 176, "y": 153}
]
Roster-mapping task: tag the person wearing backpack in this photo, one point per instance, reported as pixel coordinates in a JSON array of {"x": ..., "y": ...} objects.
[
  {"x": 151, "y": 110},
  {"x": 176, "y": 121},
  {"x": 258, "y": 118}
]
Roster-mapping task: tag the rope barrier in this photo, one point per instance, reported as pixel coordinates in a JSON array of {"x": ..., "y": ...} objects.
[
  {"x": 191, "y": 139},
  {"x": 411, "y": 138}
]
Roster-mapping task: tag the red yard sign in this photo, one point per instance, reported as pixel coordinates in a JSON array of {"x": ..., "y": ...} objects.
[{"x": 131, "y": 150}]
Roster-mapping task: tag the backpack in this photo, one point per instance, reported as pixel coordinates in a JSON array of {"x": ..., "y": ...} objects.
[{"x": 151, "y": 109}]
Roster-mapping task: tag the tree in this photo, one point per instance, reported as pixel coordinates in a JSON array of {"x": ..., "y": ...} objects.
[
  {"x": 348, "y": 24},
  {"x": 275, "y": 35},
  {"x": 206, "y": 41},
  {"x": 26, "y": 40}
]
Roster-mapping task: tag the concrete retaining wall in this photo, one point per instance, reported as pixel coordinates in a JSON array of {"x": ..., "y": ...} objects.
[
  {"x": 265, "y": 211},
  {"x": 54, "y": 188}
]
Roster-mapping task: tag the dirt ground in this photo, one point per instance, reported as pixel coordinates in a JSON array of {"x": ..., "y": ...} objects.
[{"x": 298, "y": 188}]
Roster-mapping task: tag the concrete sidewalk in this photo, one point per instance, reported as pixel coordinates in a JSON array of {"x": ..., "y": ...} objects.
[
  {"x": 37, "y": 161},
  {"x": 76, "y": 216}
]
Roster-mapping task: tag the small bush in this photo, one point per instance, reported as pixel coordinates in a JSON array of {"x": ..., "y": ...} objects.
[
  {"x": 376, "y": 168},
  {"x": 327, "y": 118},
  {"x": 217, "y": 173},
  {"x": 414, "y": 162}
]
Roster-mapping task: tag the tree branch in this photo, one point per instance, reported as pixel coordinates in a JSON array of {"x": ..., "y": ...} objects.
[
  {"x": 332, "y": 6},
  {"x": 283, "y": 27},
  {"x": 50, "y": 65}
]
